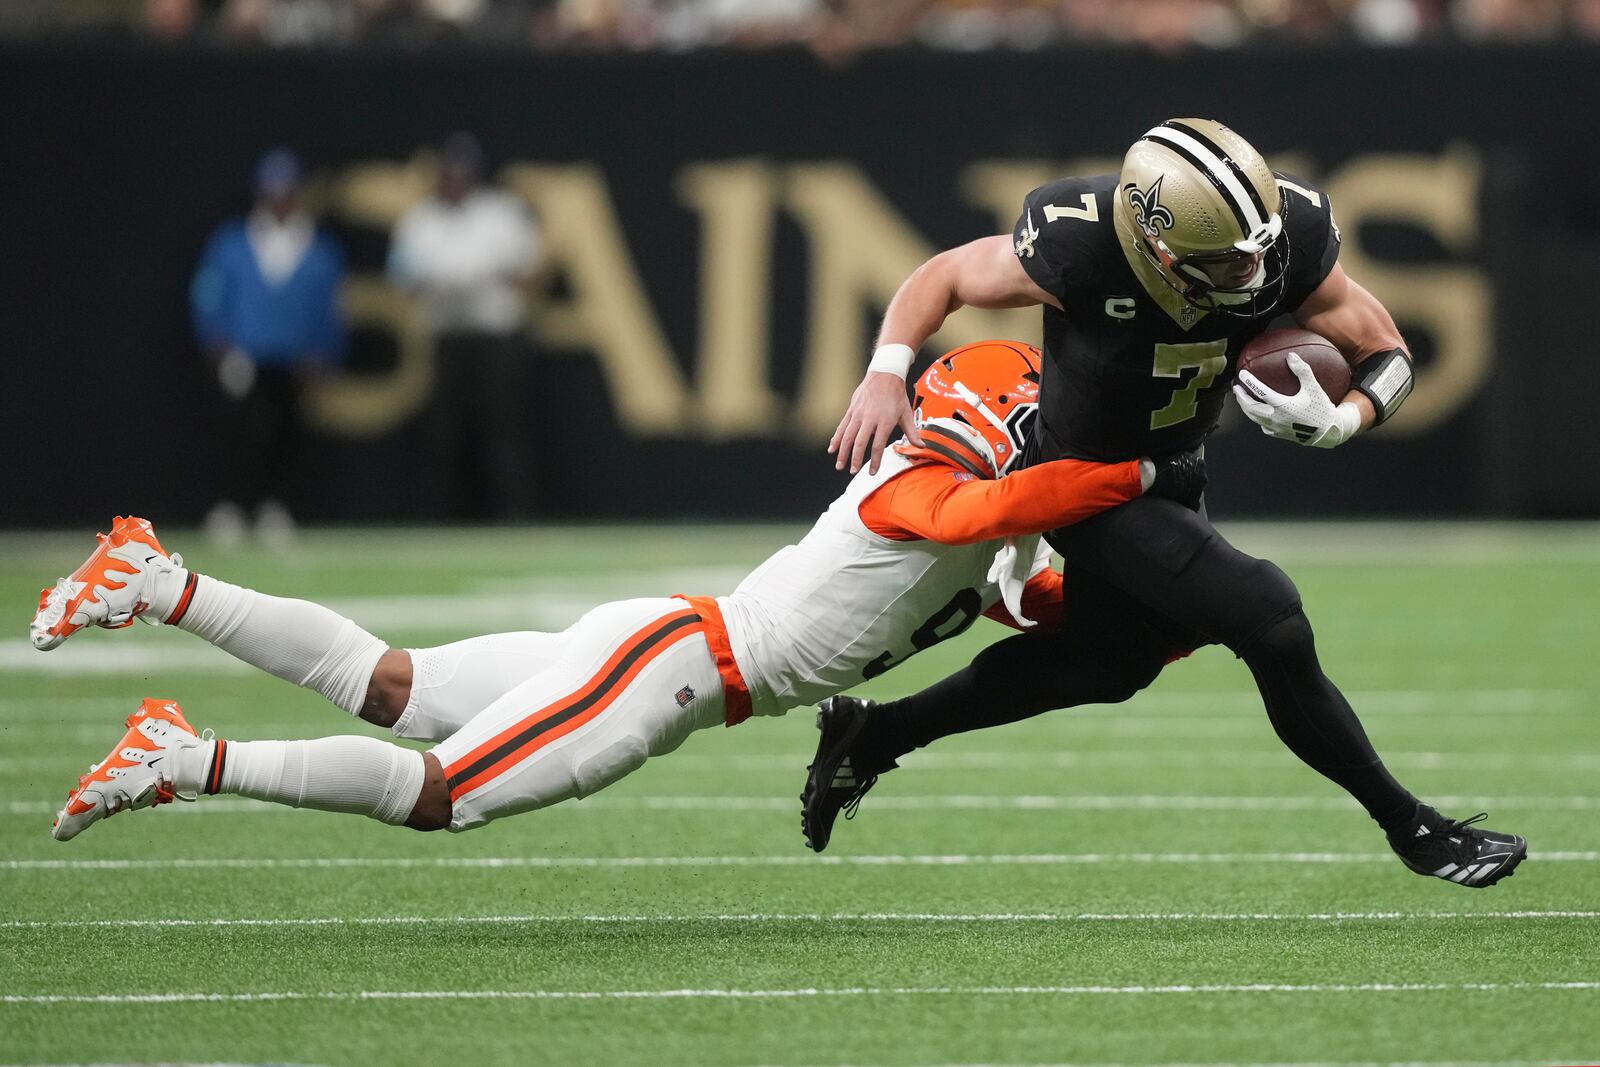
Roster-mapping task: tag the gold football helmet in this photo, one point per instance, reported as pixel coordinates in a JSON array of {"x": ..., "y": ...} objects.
[{"x": 1199, "y": 205}]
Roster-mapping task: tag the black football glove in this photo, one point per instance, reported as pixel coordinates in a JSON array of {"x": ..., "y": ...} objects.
[{"x": 1180, "y": 477}]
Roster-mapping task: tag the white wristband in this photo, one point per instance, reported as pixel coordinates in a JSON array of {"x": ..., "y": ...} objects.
[{"x": 892, "y": 359}]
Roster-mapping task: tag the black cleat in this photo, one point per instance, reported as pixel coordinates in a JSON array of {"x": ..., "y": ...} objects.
[
  {"x": 832, "y": 782},
  {"x": 1451, "y": 849}
]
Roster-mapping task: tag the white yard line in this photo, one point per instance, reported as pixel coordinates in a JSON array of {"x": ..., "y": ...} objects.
[
  {"x": 51, "y": 742},
  {"x": 51, "y": 736},
  {"x": 1442, "y": 1063},
  {"x": 733, "y": 804},
  {"x": 67, "y": 707},
  {"x": 811, "y": 917},
  {"x": 1165, "y": 702},
  {"x": 1140, "y": 758},
  {"x": 1160, "y": 733},
  {"x": 788, "y": 763},
  {"x": 766, "y": 763},
  {"x": 1374, "y": 702},
  {"x": 1320, "y": 1063},
  {"x": 1114, "y": 802},
  {"x": 1147, "y": 711},
  {"x": 393, "y": 617},
  {"x": 1308, "y": 543},
  {"x": 109, "y": 656},
  {"x": 1316, "y": 1063},
  {"x": 1418, "y": 542},
  {"x": 1027, "y": 859},
  {"x": 800, "y": 993}
]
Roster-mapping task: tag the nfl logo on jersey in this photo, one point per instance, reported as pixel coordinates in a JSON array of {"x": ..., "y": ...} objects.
[{"x": 683, "y": 696}]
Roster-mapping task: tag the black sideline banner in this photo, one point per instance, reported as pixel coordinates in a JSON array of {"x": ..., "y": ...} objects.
[{"x": 724, "y": 230}]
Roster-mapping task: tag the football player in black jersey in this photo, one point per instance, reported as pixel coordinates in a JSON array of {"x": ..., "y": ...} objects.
[{"x": 1152, "y": 281}]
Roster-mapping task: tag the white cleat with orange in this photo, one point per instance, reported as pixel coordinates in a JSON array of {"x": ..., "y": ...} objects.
[
  {"x": 138, "y": 773},
  {"x": 115, "y": 585}
]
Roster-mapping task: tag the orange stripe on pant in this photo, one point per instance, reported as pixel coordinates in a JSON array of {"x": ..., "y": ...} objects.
[
  {"x": 735, "y": 693},
  {"x": 515, "y": 744}
]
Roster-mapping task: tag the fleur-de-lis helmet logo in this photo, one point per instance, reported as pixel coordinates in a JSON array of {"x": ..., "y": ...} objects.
[{"x": 1148, "y": 210}]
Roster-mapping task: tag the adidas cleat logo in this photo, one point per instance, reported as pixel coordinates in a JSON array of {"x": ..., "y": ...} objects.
[{"x": 844, "y": 777}]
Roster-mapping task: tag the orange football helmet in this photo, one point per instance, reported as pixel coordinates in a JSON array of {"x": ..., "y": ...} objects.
[{"x": 976, "y": 406}]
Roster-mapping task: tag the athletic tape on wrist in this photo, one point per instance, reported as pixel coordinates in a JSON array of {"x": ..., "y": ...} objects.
[
  {"x": 1386, "y": 380},
  {"x": 892, "y": 359},
  {"x": 1348, "y": 417}
]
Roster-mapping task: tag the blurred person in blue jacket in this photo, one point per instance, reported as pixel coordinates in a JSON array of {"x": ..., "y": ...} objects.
[{"x": 265, "y": 302}]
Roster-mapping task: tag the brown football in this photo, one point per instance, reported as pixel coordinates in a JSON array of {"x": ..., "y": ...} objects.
[{"x": 1267, "y": 357}]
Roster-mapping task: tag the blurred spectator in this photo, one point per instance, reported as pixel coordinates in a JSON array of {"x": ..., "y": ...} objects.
[
  {"x": 286, "y": 23},
  {"x": 1172, "y": 25},
  {"x": 1392, "y": 22},
  {"x": 171, "y": 20},
  {"x": 468, "y": 253},
  {"x": 833, "y": 29},
  {"x": 1299, "y": 20},
  {"x": 22, "y": 17},
  {"x": 1508, "y": 20},
  {"x": 856, "y": 26},
  {"x": 975, "y": 25},
  {"x": 742, "y": 23},
  {"x": 1586, "y": 19},
  {"x": 265, "y": 308}
]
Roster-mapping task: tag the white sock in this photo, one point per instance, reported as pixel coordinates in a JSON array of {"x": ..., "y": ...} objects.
[
  {"x": 296, "y": 640},
  {"x": 360, "y": 775}
]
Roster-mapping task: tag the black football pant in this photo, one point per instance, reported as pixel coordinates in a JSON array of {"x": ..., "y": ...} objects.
[{"x": 1145, "y": 581}]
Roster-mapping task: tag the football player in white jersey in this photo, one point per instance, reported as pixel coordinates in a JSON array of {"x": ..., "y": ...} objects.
[{"x": 906, "y": 557}]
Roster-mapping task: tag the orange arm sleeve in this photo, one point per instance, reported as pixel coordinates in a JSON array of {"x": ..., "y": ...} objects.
[{"x": 937, "y": 502}]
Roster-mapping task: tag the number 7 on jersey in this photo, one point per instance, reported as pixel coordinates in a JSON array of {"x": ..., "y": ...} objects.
[
  {"x": 1206, "y": 358},
  {"x": 1089, "y": 212}
]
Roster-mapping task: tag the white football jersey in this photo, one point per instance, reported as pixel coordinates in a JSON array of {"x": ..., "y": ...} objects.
[{"x": 845, "y": 604}]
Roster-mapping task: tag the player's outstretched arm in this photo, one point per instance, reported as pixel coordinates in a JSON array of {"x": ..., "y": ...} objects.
[
  {"x": 937, "y": 503},
  {"x": 984, "y": 273}
]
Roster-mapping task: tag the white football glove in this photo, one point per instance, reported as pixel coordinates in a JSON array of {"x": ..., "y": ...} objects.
[
  {"x": 1009, "y": 571},
  {"x": 1308, "y": 417}
]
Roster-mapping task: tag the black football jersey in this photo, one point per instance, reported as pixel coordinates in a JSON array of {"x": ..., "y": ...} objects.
[{"x": 1122, "y": 377}]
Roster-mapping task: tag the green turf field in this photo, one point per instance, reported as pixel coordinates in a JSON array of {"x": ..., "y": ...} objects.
[{"x": 1153, "y": 883}]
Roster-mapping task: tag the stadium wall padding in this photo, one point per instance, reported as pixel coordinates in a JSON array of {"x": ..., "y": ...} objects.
[{"x": 724, "y": 229}]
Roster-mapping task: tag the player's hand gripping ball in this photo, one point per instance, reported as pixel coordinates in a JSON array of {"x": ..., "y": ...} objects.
[{"x": 1291, "y": 383}]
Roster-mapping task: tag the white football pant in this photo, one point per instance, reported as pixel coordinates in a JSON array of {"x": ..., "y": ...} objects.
[{"x": 529, "y": 720}]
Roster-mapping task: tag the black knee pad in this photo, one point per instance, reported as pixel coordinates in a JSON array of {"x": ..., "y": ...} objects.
[
  {"x": 1097, "y": 679},
  {"x": 1076, "y": 665},
  {"x": 1261, "y": 605},
  {"x": 1120, "y": 661},
  {"x": 1129, "y": 674},
  {"x": 1286, "y": 637}
]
